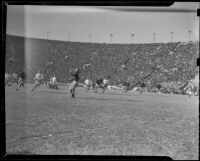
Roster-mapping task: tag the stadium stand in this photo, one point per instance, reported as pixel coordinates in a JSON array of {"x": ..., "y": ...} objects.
[{"x": 175, "y": 63}]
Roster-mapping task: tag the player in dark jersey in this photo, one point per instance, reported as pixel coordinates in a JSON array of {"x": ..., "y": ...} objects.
[
  {"x": 21, "y": 80},
  {"x": 75, "y": 79},
  {"x": 126, "y": 85},
  {"x": 74, "y": 84},
  {"x": 158, "y": 89},
  {"x": 141, "y": 85},
  {"x": 98, "y": 84}
]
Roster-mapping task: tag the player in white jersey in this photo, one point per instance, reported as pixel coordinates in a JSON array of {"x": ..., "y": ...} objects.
[
  {"x": 54, "y": 80},
  {"x": 51, "y": 80},
  {"x": 158, "y": 87},
  {"x": 104, "y": 85},
  {"x": 7, "y": 77},
  {"x": 38, "y": 80},
  {"x": 53, "y": 83},
  {"x": 190, "y": 91},
  {"x": 87, "y": 85},
  {"x": 12, "y": 79}
]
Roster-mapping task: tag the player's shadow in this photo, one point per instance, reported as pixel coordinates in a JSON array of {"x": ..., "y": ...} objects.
[
  {"x": 106, "y": 99},
  {"x": 50, "y": 91}
]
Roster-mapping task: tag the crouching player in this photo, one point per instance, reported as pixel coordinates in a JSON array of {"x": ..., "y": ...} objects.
[
  {"x": 87, "y": 85},
  {"x": 7, "y": 77},
  {"x": 21, "y": 80},
  {"x": 142, "y": 85},
  {"x": 158, "y": 89},
  {"x": 38, "y": 79},
  {"x": 54, "y": 82},
  {"x": 190, "y": 91}
]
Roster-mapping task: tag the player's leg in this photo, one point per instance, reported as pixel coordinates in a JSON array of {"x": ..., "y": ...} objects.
[
  {"x": 73, "y": 92},
  {"x": 53, "y": 85},
  {"x": 125, "y": 89},
  {"x": 157, "y": 91},
  {"x": 36, "y": 84},
  {"x": 6, "y": 82},
  {"x": 74, "y": 89},
  {"x": 22, "y": 83},
  {"x": 102, "y": 87},
  {"x": 71, "y": 87},
  {"x": 105, "y": 87},
  {"x": 19, "y": 83},
  {"x": 10, "y": 82},
  {"x": 86, "y": 88},
  {"x": 96, "y": 88},
  {"x": 93, "y": 86},
  {"x": 141, "y": 90},
  {"x": 190, "y": 93}
]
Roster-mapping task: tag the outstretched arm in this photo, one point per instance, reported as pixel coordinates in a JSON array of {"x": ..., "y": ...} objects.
[{"x": 82, "y": 68}]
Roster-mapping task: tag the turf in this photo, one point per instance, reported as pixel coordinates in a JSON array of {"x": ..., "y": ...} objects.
[{"x": 115, "y": 123}]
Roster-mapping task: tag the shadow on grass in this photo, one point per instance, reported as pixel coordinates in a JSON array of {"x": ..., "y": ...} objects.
[
  {"x": 39, "y": 136},
  {"x": 50, "y": 91},
  {"x": 25, "y": 152},
  {"x": 103, "y": 99},
  {"x": 62, "y": 91}
]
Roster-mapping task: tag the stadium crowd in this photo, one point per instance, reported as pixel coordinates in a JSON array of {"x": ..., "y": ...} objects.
[{"x": 173, "y": 65}]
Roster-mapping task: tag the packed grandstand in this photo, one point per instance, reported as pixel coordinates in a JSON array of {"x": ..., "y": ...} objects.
[{"x": 173, "y": 65}]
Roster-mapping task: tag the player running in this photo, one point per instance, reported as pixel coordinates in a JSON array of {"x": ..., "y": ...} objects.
[
  {"x": 21, "y": 80},
  {"x": 38, "y": 79},
  {"x": 104, "y": 85}
]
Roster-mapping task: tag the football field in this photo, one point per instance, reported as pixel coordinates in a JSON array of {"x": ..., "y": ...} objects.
[{"x": 49, "y": 121}]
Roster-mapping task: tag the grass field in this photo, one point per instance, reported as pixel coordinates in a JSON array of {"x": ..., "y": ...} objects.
[{"x": 115, "y": 123}]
